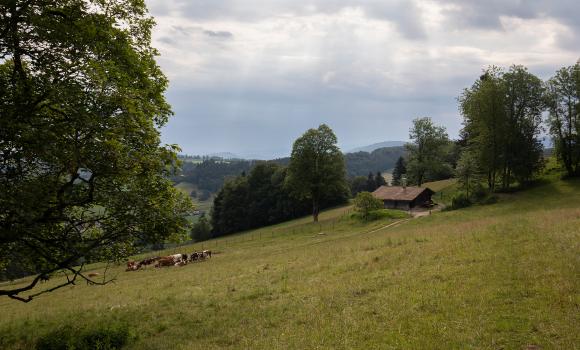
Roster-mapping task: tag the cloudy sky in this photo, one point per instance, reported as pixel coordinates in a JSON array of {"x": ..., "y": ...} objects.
[{"x": 249, "y": 76}]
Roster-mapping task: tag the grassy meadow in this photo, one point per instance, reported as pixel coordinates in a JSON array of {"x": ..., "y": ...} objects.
[{"x": 501, "y": 276}]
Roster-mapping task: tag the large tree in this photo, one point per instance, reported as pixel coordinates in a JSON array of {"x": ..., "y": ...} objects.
[
  {"x": 427, "y": 149},
  {"x": 316, "y": 170},
  {"x": 502, "y": 120},
  {"x": 522, "y": 154},
  {"x": 83, "y": 177},
  {"x": 563, "y": 98}
]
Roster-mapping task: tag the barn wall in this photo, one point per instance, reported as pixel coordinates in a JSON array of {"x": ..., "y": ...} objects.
[{"x": 389, "y": 204}]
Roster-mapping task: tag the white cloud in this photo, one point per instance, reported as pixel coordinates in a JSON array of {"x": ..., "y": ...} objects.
[{"x": 365, "y": 67}]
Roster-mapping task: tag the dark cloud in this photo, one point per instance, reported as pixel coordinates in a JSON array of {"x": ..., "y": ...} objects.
[
  {"x": 487, "y": 14},
  {"x": 403, "y": 13}
]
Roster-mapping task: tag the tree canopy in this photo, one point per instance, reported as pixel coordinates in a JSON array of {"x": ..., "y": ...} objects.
[
  {"x": 316, "y": 170},
  {"x": 83, "y": 177},
  {"x": 502, "y": 114},
  {"x": 398, "y": 172},
  {"x": 427, "y": 150},
  {"x": 563, "y": 100},
  {"x": 365, "y": 202}
]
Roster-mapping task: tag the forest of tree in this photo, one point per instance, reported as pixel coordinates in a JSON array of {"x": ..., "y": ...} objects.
[
  {"x": 382, "y": 159},
  {"x": 270, "y": 193},
  {"x": 211, "y": 174},
  {"x": 258, "y": 199}
]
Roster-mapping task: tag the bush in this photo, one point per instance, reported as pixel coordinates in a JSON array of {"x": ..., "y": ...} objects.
[
  {"x": 460, "y": 200},
  {"x": 490, "y": 200},
  {"x": 365, "y": 202},
  {"x": 479, "y": 193},
  {"x": 104, "y": 337},
  {"x": 201, "y": 230}
]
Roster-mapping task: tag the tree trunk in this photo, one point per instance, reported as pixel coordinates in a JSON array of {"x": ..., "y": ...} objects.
[{"x": 315, "y": 210}]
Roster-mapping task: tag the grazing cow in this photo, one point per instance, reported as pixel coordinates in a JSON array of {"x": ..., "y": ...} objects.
[
  {"x": 132, "y": 266},
  {"x": 165, "y": 261},
  {"x": 206, "y": 253},
  {"x": 148, "y": 261},
  {"x": 194, "y": 256},
  {"x": 178, "y": 257}
]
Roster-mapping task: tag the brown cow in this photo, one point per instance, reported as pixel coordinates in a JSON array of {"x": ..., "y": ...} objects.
[
  {"x": 165, "y": 261},
  {"x": 149, "y": 261},
  {"x": 132, "y": 266}
]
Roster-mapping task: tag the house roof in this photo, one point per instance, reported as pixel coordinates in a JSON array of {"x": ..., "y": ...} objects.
[{"x": 399, "y": 193}]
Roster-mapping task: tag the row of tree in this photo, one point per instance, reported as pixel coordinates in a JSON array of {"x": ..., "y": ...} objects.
[
  {"x": 500, "y": 141},
  {"x": 366, "y": 184},
  {"x": 503, "y": 122}
]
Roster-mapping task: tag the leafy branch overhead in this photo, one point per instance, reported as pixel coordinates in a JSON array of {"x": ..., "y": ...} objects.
[{"x": 82, "y": 174}]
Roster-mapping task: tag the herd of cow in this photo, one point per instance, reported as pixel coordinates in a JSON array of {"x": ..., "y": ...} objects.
[{"x": 170, "y": 260}]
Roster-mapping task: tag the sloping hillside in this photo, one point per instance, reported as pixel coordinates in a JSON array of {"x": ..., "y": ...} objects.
[{"x": 503, "y": 276}]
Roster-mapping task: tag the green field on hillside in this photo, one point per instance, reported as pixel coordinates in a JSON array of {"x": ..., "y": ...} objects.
[{"x": 501, "y": 276}]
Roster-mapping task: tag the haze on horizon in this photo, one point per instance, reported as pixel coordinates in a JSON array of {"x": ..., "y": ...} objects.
[{"x": 250, "y": 79}]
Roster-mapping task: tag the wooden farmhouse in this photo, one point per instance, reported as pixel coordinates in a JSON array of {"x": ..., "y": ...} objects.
[{"x": 406, "y": 198}]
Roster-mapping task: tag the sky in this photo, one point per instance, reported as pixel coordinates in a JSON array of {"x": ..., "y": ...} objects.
[{"x": 250, "y": 76}]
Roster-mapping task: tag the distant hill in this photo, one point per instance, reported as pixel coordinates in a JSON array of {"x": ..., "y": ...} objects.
[
  {"x": 208, "y": 173},
  {"x": 381, "y": 159},
  {"x": 224, "y": 155},
  {"x": 362, "y": 163},
  {"x": 375, "y": 146}
]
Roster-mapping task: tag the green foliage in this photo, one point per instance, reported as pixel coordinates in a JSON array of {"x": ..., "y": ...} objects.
[
  {"x": 468, "y": 173},
  {"x": 379, "y": 180},
  {"x": 111, "y": 336},
  {"x": 210, "y": 175},
  {"x": 479, "y": 193},
  {"x": 316, "y": 170},
  {"x": 84, "y": 177},
  {"x": 398, "y": 172},
  {"x": 362, "y": 163},
  {"x": 460, "y": 200},
  {"x": 502, "y": 114},
  {"x": 563, "y": 100},
  {"x": 365, "y": 202},
  {"x": 489, "y": 200},
  {"x": 201, "y": 230},
  {"x": 259, "y": 199},
  {"x": 358, "y": 184},
  {"x": 427, "y": 152}
]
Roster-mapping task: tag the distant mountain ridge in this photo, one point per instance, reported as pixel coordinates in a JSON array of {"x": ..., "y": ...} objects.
[
  {"x": 376, "y": 146},
  {"x": 225, "y": 155}
]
